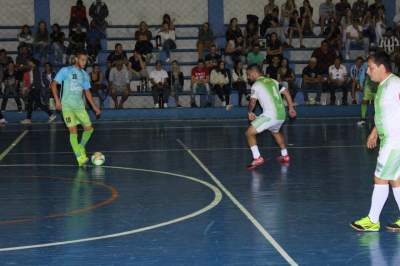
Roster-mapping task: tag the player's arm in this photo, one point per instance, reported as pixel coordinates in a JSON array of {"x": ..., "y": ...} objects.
[
  {"x": 89, "y": 97},
  {"x": 252, "y": 104},
  {"x": 289, "y": 100},
  {"x": 54, "y": 91},
  {"x": 372, "y": 139}
]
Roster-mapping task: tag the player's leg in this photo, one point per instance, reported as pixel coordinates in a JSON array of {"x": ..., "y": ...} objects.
[
  {"x": 395, "y": 184},
  {"x": 29, "y": 109},
  {"x": 125, "y": 96},
  {"x": 84, "y": 120},
  {"x": 280, "y": 140},
  {"x": 113, "y": 93},
  {"x": 72, "y": 122},
  {"x": 251, "y": 134},
  {"x": 367, "y": 97}
]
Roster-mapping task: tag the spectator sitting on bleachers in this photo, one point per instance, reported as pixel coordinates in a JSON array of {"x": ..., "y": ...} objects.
[
  {"x": 267, "y": 21},
  {"x": 341, "y": 8},
  {"x": 335, "y": 36},
  {"x": 312, "y": 81},
  {"x": 78, "y": 16},
  {"x": 98, "y": 11},
  {"x": 5, "y": 59},
  {"x": 97, "y": 84},
  {"x": 166, "y": 40},
  {"x": 278, "y": 30},
  {"x": 199, "y": 84},
  {"x": 338, "y": 81},
  {"x": 219, "y": 80},
  {"x": 11, "y": 87},
  {"x": 272, "y": 69},
  {"x": 326, "y": 11},
  {"x": 159, "y": 82},
  {"x": 22, "y": 60},
  {"x": 239, "y": 81},
  {"x": 205, "y": 39},
  {"x": 368, "y": 27},
  {"x": 41, "y": 42},
  {"x": 57, "y": 38},
  {"x": 251, "y": 33},
  {"x": 25, "y": 37},
  {"x": 119, "y": 84},
  {"x": 287, "y": 78},
  {"x": 325, "y": 56},
  {"x": 354, "y": 35},
  {"x": 175, "y": 81},
  {"x": 48, "y": 74},
  {"x": 356, "y": 82},
  {"x": 255, "y": 56},
  {"x": 137, "y": 67},
  {"x": 376, "y": 7},
  {"x": 270, "y": 7},
  {"x": 213, "y": 57},
  {"x": 274, "y": 48},
  {"x": 234, "y": 51},
  {"x": 380, "y": 25},
  {"x": 143, "y": 41},
  {"x": 286, "y": 13},
  {"x": 234, "y": 31},
  {"x": 77, "y": 40},
  {"x": 93, "y": 42},
  {"x": 295, "y": 26},
  {"x": 359, "y": 8},
  {"x": 306, "y": 14},
  {"x": 118, "y": 54}
]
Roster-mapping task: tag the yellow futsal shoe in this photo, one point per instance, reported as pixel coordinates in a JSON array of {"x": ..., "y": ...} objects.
[
  {"x": 365, "y": 225},
  {"x": 82, "y": 160},
  {"x": 394, "y": 227}
]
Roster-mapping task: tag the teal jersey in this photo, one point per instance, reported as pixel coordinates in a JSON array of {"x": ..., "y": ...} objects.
[{"x": 74, "y": 81}]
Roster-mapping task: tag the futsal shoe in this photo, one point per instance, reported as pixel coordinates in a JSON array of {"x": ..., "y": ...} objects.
[
  {"x": 365, "y": 225},
  {"x": 82, "y": 160},
  {"x": 394, "y": 227},
  {"x": 255, "y": 163},
  {"x": 284, "y": 159}
]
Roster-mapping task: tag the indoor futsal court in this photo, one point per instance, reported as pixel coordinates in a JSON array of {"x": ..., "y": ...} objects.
[{"x": 178, "y": 193}]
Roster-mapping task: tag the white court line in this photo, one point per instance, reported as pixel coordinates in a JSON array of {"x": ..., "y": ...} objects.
[
  {"x": 198, "y": 149},
  {"x": 15, "y": 142},
  {"x": 217, "y": 199},
  {"x": 252, "y": 219}
]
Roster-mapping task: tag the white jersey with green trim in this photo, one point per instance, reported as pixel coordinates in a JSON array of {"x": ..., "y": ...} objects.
[
  {"x": 387, "y": 110},
  {"x": 268, "y": 94}
]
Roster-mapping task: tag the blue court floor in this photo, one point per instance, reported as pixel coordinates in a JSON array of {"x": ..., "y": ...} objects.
[{"x": 178, "y": 193}]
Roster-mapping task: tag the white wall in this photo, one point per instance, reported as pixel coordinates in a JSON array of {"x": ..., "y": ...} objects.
[
  {"x": 16, "y": 12},
  {"x": 129, "y": 12}
]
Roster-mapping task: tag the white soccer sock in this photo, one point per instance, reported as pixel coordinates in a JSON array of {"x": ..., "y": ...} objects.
[
  {"x": 284, "y": 152},
  {"x": 255, "y": 151},
  {"x": 396, "y": 194},
  {"x": 379, "y": 197}
]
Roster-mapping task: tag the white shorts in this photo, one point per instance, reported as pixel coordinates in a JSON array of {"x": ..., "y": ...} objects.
[
  {"x": 262, "y": 123},
  {"x": 388, "y": 164}
]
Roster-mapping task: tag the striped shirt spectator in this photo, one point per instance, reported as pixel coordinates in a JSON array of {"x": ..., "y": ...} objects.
[{"x": 389, "y": 44}]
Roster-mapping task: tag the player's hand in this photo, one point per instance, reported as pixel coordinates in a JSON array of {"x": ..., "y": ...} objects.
[
  {"x": 372, "y": 140},
  {"x": 97, "y": 111},
  {"x": 292, "y": 112},
  {"x": 58, "y": 106},
  {"x": 252, "y": 116}
]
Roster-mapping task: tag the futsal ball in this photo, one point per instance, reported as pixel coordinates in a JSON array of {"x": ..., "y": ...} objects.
[{"x": 98, "y": 159}]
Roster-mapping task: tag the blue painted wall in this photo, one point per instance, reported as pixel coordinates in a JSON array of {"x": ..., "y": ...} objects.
[
  {"x": 42, "y": 11},
  {"x": 216, "y": 20}
]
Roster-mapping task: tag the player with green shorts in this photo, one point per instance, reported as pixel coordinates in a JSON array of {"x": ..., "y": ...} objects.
[
  {"x": 387, "y": 129},
  {"x": 75, "y": 82},
  {"x": 369, "y": 92},
  {"x": 269, "y": 94}
]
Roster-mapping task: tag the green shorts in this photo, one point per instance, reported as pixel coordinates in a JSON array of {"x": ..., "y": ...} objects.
[
  {"x": 388, "y": 165},
  {"x": 74, "y": 118},
  {"x": 262, "y": 123}
]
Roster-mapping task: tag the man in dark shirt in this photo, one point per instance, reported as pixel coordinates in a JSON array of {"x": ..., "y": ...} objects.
[
  {"x": 272, "y": 70},
  {"x": 312, "y": 80},
  {"x": 212, "y": 58},
  {"x": 341, "y": 8},
  {"x": 325, "y": 56},
  {"x": 117, "y": 55},
  {"x": 137, "y": 67}
]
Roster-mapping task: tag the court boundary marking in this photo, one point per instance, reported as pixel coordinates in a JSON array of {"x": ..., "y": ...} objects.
[
  {"x": 113, "y": 191},
  {"x": 243, "y": 209},
  {"x": 217, "y": 199},
  {"x": 13, "y": 144}
]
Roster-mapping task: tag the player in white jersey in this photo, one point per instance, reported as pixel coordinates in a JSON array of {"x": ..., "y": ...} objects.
[
  {"x": 387, "y": 129},
  {"x": 269, "y": 94}
]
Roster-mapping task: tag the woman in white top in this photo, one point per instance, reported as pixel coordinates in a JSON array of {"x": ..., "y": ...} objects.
[
  {"x": 239, "y": 80},
  {"x": 219, "y": 79},
  {"x": 166, "y": 40},
  {"x": 25, "y": 37}
]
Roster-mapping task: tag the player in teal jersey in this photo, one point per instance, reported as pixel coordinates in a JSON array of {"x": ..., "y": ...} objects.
[
  {"x": 387, "y": 129},
  {"x": 269, "y": 94},
  {"x": 75, "y": 82}
]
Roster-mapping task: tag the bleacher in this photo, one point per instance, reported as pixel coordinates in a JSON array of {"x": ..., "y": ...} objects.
[{"x": 186, "y": 54}]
